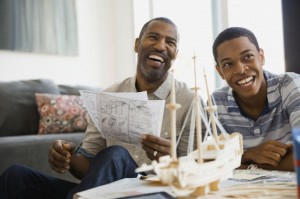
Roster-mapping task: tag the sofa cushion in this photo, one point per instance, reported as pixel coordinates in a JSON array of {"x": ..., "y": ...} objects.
[
  {"x": 60, "y": 113},
  {"x": 32, "y": 150},
  {"x": 74, "y": 89},
  {"x": 18, "y": 109}
]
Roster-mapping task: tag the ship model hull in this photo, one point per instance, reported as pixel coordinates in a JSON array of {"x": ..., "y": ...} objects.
[{"x": 187, "y": 177}]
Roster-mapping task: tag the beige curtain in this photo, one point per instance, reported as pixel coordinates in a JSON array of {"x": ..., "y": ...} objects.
[{"x": 40, "y": 26}]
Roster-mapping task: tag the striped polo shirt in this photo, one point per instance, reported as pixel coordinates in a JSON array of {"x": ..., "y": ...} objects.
[{"x": 280, "y": 115}]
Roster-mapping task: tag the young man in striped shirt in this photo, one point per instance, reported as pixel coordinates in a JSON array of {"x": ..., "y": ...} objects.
[{"x": 262, "y": 106}]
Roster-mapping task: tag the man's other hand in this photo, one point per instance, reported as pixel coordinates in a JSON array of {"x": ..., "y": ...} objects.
[{"x": 155, "y": 146}]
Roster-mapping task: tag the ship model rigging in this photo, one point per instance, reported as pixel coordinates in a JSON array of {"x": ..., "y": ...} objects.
[{"x": 215, "y": 158}]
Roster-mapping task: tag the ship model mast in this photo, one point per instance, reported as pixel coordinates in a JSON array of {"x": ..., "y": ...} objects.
[
  {"x": 173, "y": 106},
  {"x": 197, "y": 117}
]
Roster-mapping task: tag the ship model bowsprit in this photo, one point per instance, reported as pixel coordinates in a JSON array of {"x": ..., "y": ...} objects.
[{"x": 214, "y": 160}]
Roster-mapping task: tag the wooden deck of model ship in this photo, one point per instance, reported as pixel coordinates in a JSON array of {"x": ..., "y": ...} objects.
[
  {"x": 187, "y": 177},
  {"x": 201, "y": 170}
]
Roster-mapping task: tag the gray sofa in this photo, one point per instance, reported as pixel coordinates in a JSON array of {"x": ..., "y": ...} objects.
[{"x": 19, "y": 124}]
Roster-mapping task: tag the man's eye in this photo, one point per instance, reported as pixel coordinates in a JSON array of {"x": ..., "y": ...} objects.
[
  {"x": 249, "y": 56},
  {"x": 172, "y": 43},
  {"x": 226, "y": 65},
  {"x": 152, "y": 37}
]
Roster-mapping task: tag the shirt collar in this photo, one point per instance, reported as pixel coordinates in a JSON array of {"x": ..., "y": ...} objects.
[
  {"x": 132, "y": 87},
  {"x": 273, "y": 93},
  {"x": 161, "y": 93},
  {"x": 230, "y": 98}
]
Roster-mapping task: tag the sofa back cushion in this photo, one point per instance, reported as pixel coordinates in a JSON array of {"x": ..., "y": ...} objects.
[
  {"x": 74, "y": 89},
  {"x": 18, "y": 109}
]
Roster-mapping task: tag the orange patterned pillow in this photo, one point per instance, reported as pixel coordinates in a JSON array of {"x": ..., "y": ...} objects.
[{"x": 60, "y": 113}]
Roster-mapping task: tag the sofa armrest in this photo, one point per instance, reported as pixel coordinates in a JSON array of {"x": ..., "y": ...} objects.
[{"x": 32, "y": 151}]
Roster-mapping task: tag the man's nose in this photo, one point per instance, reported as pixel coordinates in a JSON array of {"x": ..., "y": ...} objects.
[
  {"x": 241, "y": 68},
  {"x": 160, "y": 45}
]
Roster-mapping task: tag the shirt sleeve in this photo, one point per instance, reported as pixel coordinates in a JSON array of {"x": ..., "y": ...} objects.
[
  {"x": 83, "y": 152},
  {"x": 93, "y": 141}
]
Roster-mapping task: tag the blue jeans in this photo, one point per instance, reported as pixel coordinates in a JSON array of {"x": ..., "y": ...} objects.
[{"x": 111, "y": 164}]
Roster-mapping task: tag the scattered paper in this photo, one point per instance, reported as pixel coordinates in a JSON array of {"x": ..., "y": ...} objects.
[
  {"x": 255, "y": 175},
  {"x": 123, "y": 188}
]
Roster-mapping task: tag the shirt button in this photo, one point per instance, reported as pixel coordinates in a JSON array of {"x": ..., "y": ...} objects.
[
  {"x": 136, "y": 156},
  {"x": 256, "y": 131}
]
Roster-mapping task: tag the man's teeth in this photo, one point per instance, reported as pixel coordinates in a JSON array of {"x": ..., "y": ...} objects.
[
  {"x": 245, "y": 81},
  {"x": 156, "y": 58}
]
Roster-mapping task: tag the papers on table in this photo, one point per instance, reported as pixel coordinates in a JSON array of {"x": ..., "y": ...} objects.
[
  {"x": 257, "y": 175},
  {"x": 241, "y": 189},
  {"x": 124, "y": 116},
  {"x": 123, "y": 188}
]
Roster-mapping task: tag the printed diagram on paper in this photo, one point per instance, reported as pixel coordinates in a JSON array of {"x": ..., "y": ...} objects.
[
  {"x": 90, "y": 102},
  {"x": 124, "y": 116}
]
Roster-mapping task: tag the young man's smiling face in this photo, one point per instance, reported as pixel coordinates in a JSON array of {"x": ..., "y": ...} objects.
[
  {"x": 157, "y": 49},
  {"x": 240, "y": 64}
]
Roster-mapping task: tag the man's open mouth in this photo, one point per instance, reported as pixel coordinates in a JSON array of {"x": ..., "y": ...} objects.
[
  {"x": 156, "y": 58},
  {"x": 246, "y": 81}
]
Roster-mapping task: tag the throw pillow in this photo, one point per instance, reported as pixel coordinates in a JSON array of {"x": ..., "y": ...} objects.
[
  {"x": 60, "y": 113},
  {"x": 18, "y": 110}
]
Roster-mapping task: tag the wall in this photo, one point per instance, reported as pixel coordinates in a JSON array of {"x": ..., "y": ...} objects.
[
  {"x": 105, "y": 37},
  {"x": 291, "y": 30}
]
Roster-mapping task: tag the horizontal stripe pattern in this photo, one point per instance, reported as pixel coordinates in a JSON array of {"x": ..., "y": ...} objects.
[{"x": 281, "y": 114}]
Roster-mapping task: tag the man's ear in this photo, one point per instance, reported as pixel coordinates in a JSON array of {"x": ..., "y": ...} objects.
[
  {"x": 176, "y": 53},
  {"x": 218, "y": 68},
  {"x": 262, "y": 57},
  {"x": 136, "y": 44}
]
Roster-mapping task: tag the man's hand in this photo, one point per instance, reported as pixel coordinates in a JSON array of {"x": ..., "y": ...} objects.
[
  {"x": 270, "y": 153},
  {"x": 155, "y": 146},
  {"x": 59, "y": 156}
]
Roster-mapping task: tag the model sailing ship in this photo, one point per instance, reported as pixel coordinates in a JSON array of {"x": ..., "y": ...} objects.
[{"x": 214, "y": 159}]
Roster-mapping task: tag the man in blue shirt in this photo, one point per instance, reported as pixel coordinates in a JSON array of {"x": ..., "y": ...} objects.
[{"x": 262, "y": 106}]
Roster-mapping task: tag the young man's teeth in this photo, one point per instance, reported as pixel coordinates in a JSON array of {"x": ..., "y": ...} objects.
[
  {"x": 158, "y": 58},
  {"x": 245, "y": 81}
]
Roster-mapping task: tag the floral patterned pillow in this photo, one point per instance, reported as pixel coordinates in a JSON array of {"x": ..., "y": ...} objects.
[{"x": 60, "y": 113}]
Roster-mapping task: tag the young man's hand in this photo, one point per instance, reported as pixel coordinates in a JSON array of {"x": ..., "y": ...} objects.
[
  {"x": 270, "y": 155},
  {"x": 155, "y": 146},
  {"x": 269, "y": 152}
]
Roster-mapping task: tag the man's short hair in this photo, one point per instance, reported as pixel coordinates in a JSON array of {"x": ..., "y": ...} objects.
[
  {"x": 232, "y": 33},
  {"x": 163, "y": 19}
]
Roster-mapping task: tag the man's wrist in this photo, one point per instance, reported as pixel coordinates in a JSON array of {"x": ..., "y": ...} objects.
[{"x": 245, "y": 158}]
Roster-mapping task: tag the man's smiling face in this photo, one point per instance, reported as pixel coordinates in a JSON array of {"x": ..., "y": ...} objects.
[
  {"x": 240, "y": 64},
  {"x": 157, "y": 49}
]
